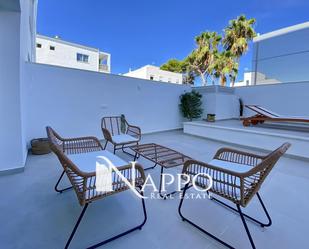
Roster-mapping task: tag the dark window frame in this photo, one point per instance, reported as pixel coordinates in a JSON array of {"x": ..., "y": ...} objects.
[{"x": 82, "y": 58}]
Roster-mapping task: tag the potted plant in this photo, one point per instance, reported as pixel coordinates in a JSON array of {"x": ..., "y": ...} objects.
[
  {"x": 190, "y": 105},
  {"x": 211, "y": 117}
]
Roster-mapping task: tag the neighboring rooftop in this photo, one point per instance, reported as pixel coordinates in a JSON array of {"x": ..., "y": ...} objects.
[
  {"x": 55, "y": 51},
  {"x": 60, "y": 40},
  {"x": 152, "y": 72}
]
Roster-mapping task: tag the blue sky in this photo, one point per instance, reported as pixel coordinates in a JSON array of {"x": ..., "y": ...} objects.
[{"x": 140, "y": 32}]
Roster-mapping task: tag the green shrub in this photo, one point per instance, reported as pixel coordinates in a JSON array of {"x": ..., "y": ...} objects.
[{"x": 190, "y": 105}]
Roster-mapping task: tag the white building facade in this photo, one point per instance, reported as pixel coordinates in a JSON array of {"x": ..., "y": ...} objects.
[
  {"x": 281, "y": 56},
  {"x": 247, "y": 81},
  {"x": 251, "y": 77},
  {"x": 55, "y": 51},
  {"x": 155, "y": 73}
]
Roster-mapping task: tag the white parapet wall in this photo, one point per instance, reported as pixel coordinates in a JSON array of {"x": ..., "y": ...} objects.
[
  {"x": 285, "y": 98},
  {"x": 73, "y": 101}
]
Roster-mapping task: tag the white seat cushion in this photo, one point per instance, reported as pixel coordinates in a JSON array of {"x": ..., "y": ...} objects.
[
  {"x": 124, "y": 138},
  {"x": 236, "y": 167},
  {"x": 239, "y": 168},
  {"x": 86, "y": 162}
]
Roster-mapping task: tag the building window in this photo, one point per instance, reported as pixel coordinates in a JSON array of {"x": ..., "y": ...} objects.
[
  {"x": 38, "y": 45},
  {"x": 52, "y": 48},
  {"x": 82, "y": 57},
  {"x": 151, "y": 77}
]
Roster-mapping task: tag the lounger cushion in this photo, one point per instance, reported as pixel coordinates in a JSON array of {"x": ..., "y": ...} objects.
[
  {"x": 124, "y": 139},
  {"x": 86, "y": 162}
]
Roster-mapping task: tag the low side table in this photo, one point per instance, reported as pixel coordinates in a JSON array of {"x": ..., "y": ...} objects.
[{"x": 162, "y": 156}]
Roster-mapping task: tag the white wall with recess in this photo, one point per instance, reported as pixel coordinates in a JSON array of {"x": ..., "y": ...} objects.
[{"x": 218, "y": 100}]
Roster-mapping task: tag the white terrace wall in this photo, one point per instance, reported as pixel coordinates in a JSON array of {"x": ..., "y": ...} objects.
[
  {"x": 17, "y": 26},
  {"x": 11, "y": 148},
  {"x": 73, "y": 101},
  {"x": 286, "y": 98},
  {"x": 218, "y": 100}
]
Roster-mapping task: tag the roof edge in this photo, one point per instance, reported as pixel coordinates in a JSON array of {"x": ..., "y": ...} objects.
[
  {"x": 282, "y": 31},
  {"x": 70, "y": 43}
]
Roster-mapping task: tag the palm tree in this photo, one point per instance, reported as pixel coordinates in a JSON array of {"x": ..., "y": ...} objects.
[
  {"x": 225, "y": 65},
  {"x": 237, "y": 37},
  {"x": 201, "y": 59}
]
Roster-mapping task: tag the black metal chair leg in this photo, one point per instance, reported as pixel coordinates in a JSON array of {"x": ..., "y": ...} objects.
[
  {"x": 139, "y": 227},
  {"x": 152, "y": 167},
  {"x": 123, "y": 150},
  {"x": 245, "y": 225},
  {"x": 56, "y": 186},
  {"x": 135, "y": 157},
  {"x": 196, "y": 226},
  {"x": 106, "y": 142},
  {"x": 128, "y": 153},
  {"x": 160, "y": 187},
  {"x": 76, "y": 226},
  {"x": 165, "y": 196},
  {"x": 265, "y": 211},
  {"x": 181, "y": 201},
  {"x": 247, "y": 216}
]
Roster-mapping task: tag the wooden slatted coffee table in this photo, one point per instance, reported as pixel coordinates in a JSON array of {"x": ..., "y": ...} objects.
[{"x": 162, "y": 156}]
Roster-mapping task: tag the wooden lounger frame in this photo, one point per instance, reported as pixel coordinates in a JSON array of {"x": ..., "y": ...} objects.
[{"x": 266, "y": 115}]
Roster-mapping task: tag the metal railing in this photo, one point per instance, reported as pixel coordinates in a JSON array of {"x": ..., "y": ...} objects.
[{"x": 103, "y": 67}]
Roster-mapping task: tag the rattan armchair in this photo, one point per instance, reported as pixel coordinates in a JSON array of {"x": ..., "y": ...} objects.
[
  {"x": 71, "y": 146},
  {"x": 120, "y": 133},
  {"x": 83, "y": 181},
  {"x": 237, "y": 177}
]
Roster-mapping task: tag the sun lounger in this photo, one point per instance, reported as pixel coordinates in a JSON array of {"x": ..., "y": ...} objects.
[{"x": 263, "y": 114}]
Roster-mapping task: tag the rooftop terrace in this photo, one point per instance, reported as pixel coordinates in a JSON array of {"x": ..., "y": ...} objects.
[
  {"x": 73, "y": 101},
  {"x": 31, "y": 209}
]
